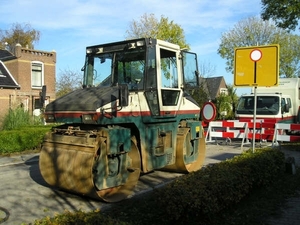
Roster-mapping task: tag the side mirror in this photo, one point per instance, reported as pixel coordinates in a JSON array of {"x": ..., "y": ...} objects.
[{"x": 286, "y": 108}]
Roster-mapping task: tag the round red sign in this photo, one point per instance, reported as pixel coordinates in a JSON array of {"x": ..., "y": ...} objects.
[{"x": 255, "y": 55}]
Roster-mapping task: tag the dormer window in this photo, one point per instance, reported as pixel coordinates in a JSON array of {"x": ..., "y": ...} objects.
[{"x": 37, "y": 74}]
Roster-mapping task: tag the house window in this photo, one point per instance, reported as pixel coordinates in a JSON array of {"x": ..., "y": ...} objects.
[
  {"x": 37, "y": 103},
  {"x": 37, "y": 75},
  {"x": 224, "y": 91}
]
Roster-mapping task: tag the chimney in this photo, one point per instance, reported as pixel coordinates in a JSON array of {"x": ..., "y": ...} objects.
[{"x": 18, "y": 50}]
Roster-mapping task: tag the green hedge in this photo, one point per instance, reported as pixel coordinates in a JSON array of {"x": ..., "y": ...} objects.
[
  {"x": 24, "y": 138},
  {"x": 214, "y": 188},
  {"x": 190, "y": 197},
  {"x": 80, "y": 218}
]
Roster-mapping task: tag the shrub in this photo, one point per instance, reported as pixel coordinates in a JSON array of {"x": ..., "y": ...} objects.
[
  {"x": 79, "y": 218},
  {"x": 219, "y": 186},
  {"x": 19, "y": 117},
  {"x": 24, "y": 138}
]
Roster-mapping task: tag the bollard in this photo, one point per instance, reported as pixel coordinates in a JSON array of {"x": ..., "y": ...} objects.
[{"x": 290, "y": 165}]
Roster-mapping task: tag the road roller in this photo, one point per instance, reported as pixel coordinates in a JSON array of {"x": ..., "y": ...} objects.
[{"x": 134, "y": 114}]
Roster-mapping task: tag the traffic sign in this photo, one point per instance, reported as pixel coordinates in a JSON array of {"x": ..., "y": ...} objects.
[{"x": 256, "y": 66}]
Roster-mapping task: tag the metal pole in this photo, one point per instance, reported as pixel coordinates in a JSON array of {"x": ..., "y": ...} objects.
[{"x": 254, "y": 120}]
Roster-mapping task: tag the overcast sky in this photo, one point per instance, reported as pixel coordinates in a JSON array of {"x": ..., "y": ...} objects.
[{"x": 69, "y": 26}]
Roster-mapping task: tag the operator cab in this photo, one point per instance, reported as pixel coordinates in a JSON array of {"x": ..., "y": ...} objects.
[{"x": 143, "y": 65}]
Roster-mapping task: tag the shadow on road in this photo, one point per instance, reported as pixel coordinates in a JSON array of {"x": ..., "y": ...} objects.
[
  {"x": 223, "y": 156},
  {"x": 34, "y": 171}
]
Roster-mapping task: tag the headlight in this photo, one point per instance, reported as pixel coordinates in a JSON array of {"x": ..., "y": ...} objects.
[
  {"x": 88, "y": 118},
  {"x": 49, "y": 118},
  {"x": 140, "y": 43}
]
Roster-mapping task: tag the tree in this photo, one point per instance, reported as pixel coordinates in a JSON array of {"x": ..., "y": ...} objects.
[
  {"x": 68, "y": 81},
  {"x": 19, "y": 34},
  {"x": 226, "y": 103},
  {"x": 223, "y": 106},
  {"x": 202, "y": 95},
  {"x": 285, "y": 13},
  {"x": 149, "y": 26},
  {"x": 206, "y": 69},
  {"x": 233, "y": 99},
  {"x": 254, "y": 31}
]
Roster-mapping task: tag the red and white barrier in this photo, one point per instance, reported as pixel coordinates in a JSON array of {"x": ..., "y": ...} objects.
[
  {"x": 239, "y": 130},
  {"x": 228, "y": 130},
  {"x": 280, "y": 134},
  {"x": 234, "y": 129}
]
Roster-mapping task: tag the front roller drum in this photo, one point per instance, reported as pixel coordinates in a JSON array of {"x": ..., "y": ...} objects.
[
  {"x": 70, "y": 167},
  {"x": 190, "y": 154},
  {"x": 118, "y": 193}
]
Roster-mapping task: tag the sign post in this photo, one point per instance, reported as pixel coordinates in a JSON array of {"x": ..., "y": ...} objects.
[
  {"x": 256, "y": 66},
  {"x": 255, "y": 56}
]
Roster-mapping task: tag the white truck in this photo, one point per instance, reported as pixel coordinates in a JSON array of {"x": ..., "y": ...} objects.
[{"x": 274, "y": 104}]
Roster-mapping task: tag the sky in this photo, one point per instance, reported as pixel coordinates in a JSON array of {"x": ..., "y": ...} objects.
[{"x": 69, "y": 26}]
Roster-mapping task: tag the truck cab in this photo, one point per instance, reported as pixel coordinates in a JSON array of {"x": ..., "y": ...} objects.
[
  {"x": 273, "y": 104},
  {"x": 269, "y": 107}
]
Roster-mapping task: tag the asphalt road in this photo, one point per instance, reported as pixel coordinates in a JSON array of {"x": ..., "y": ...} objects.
[{"x": 25, "y": 197}]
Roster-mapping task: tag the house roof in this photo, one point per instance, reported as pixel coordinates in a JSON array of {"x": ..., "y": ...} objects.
[
  {"x": 6, "y": 79},
  {"x": 212, "y": 85},
  {"x": 6, "y": 55}
]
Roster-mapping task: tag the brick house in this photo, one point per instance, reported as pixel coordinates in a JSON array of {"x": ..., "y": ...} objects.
[{"x": 22, "y": 77}]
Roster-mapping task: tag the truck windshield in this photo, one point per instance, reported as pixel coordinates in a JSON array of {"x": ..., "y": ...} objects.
[
  {"x": 112, "y": 69},
  {"x": 266, "y": 105}
]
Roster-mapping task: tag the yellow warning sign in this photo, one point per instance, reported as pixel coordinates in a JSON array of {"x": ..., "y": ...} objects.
[{"x": 256, "y": 66}]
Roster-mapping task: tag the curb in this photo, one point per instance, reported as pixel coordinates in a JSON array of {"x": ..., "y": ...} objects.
[{"x": 20, "y": 159}]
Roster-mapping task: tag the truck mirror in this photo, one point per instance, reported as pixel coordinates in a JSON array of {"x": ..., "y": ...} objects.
[{"x": 286, "y": 108}]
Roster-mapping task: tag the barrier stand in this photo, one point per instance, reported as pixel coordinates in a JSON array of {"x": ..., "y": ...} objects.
[
  {"x": 266, "y": 130},
  {"x": 280, "y": 134},
  {"x": 227, "y": 130},
  {"x": 259, "y": 130}
]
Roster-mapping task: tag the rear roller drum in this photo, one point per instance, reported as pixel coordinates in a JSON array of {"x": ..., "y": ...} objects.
[{"x": 70, "y": 167}]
